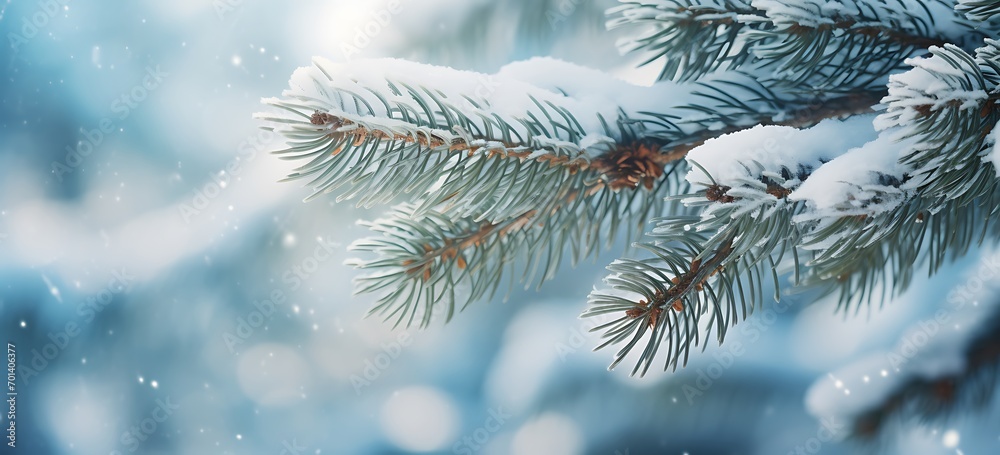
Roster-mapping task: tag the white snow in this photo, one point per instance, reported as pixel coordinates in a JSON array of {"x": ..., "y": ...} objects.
[
  {"x": 657, "y": 16},
  {"x": 510, "y": 94},
  {"x": 932, "y": 81},
  {"x": 847, "y": 184},
  {"x": 942, "y": 82},
  {"x": 901, "y": 14},
  {"x": 727, "y": 157},
  {"x": 994, "y": 155},
  {"x": 541, "y": 91}
]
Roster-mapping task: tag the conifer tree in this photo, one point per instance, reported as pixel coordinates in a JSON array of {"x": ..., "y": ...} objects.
[{"x": 842, "y": 146}]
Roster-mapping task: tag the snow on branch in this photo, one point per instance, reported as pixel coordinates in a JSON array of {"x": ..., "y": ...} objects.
[
  {"x": 693, "y": 37},
  {"x": 509, "y": 172},
  {"x": 493, "y": 146},
  {"x": 945, "y": 107},
  {"x": 919, "y": 194},
  {"x": 861, "y": 213},
  {"x": 434, "y": 262},
  {"x": 839, "y": 45},
  {"x": 979, "y": 10},
  {"x": 708, "y": 272},
  {"x": 530, "y": 156},
  {"x": 854, "y": 43}
]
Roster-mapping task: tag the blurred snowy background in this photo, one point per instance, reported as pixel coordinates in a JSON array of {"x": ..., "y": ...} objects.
[{"x": 166, "y": 295}]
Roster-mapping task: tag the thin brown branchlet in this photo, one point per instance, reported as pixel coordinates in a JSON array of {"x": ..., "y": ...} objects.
[{"x": 695, "y": 278}]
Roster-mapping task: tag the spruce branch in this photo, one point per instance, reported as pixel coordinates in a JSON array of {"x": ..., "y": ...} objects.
[
  {"x": 760, "y": 231},
  {"x": 392, "y": 141},
  {"x": 518, "y": 184},
  {"x": 978, "y": 10},
  {"x": 511, "y": 182},
  {"x": 798, "y": 112},
  {"x": 404, "y": 140},
  {"x": 855, "y": 45},
  {"x": 804, "y": 45},
  {"x": 702, "y": 266},
  {"x": 358, "y": 141},
  {"x": 942, "y": 204},
  {"x": 947, "y": 122},
  {"x": 882, "y": 255},
  {"x": 432, "y": 260},
  {"x": 935, "y": 125},
  {"x": 694, "y": 37},
  {"x": 423, "y": 261}
]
